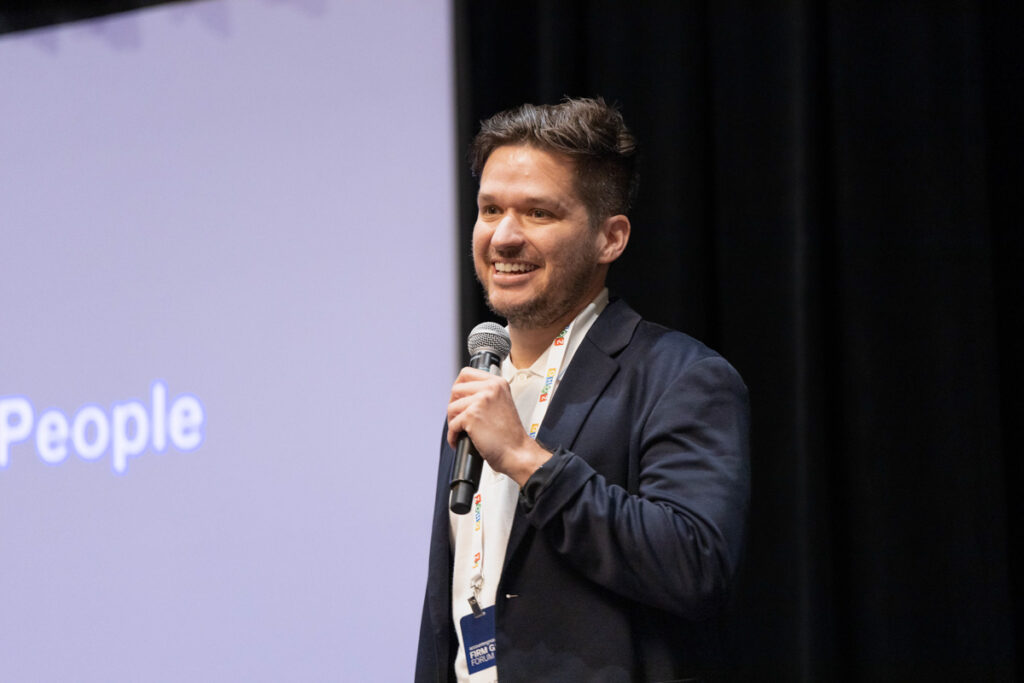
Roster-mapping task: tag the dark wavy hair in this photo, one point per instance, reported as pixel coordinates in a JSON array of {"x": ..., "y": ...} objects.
[{"x": 588, "y": 131}]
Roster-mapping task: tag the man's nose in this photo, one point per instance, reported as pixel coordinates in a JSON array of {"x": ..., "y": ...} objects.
[{"x": 509, "y": 233}]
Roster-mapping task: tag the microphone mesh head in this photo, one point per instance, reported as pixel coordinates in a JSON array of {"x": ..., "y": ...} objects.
[{"x": 489, "y": 337}]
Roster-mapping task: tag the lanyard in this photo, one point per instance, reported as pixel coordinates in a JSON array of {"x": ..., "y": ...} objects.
[{"x": 556, "y": 356}]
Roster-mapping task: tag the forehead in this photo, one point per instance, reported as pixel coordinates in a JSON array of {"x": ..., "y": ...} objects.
[{"x": 526, "y": 170}]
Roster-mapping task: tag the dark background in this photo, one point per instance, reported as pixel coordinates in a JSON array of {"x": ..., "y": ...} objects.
[
  {"x": 20, "y": 15},
  {"x": 831, "y": 197}
]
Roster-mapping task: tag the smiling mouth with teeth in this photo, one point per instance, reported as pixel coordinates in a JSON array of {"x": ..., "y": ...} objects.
[{"x": 513, "y": 267}]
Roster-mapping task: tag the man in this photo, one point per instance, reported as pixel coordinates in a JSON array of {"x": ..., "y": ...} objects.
[{"x": 597, "y": 550}]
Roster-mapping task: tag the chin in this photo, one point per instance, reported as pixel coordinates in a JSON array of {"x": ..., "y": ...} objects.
[
  {"x": 510, "y": 311},
  {"x": 500, "y": 299},
  {"x": 524, "y": 315}
]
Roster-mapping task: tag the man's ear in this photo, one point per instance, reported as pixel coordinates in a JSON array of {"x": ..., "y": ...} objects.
[{"x": 614, "y": 235}]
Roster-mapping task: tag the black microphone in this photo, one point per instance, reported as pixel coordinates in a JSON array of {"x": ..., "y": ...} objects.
[{"x": 488, "y": 345}]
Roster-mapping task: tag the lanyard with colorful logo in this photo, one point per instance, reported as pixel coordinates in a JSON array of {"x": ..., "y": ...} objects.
[{"x": 556, "y": 356}]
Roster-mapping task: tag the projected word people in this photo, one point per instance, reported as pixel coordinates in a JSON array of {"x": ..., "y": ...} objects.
[{"x": 126, "y": 430}]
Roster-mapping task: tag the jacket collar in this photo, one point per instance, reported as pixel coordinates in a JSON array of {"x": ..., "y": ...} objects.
[{"x": 589, "y": 373}]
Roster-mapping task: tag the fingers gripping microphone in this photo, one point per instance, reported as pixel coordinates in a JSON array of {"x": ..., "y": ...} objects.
[{"x": 488, "y": 346}]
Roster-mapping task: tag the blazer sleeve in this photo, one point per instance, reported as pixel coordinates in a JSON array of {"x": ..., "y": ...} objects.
[{"x": 675, "y": 541}]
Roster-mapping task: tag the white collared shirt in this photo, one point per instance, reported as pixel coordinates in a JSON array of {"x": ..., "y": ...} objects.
[{"x": 500, "y": 493}]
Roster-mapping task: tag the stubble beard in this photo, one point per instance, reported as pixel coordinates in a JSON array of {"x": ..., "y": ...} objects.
[{"x": 561, "y": 296}]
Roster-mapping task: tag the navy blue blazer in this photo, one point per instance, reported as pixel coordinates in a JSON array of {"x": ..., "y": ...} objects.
[{"x": 631, "y": 546}]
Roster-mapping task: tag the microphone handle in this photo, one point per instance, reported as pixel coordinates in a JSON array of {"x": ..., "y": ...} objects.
[{"x": 468, "y": 463}]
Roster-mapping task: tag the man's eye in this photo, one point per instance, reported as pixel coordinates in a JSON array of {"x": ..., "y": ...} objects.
[
  {"x": 490, "y": 211},
  {"x": 539, "y": 213}
]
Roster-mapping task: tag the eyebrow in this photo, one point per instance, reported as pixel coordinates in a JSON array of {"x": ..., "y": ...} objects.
[{"x": 549, "y": 202}]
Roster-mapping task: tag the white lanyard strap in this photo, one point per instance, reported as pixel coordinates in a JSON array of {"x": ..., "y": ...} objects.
[
  {"x": 476, "y": 574},
  {"x": 556, "y": 356}
]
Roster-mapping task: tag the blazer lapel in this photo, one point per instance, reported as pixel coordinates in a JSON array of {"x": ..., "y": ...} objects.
[
  {"x": 584, "y": 381},
  {"x": 591, "y": 369},
  {"x": 588, "y": 374}
]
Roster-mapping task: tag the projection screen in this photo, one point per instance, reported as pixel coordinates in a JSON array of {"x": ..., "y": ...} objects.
[{"x": 227, "y": 268}]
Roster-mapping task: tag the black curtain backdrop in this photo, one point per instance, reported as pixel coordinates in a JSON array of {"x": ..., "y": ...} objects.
[
  {"x": 830, "y": 196},
  {"x": 22, "y": 15}
]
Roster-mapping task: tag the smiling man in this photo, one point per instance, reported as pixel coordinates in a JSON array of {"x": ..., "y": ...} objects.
[{"x": 610, "y": 515}]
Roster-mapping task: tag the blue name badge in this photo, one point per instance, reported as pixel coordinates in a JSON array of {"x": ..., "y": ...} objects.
[{"x": 478, "y": 638}]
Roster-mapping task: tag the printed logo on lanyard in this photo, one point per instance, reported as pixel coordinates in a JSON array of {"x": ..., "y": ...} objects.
[
  {"x": 549, "y": 378},
  {"x": 555, "y": 356},
  {"x": 477, "y": 517}
]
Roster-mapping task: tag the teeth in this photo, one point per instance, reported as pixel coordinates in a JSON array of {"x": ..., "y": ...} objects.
[{"x": 513, "y": 267}]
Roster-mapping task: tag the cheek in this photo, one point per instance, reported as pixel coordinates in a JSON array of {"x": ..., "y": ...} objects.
[
  {"x": 480, "y": 245},
  {"x": 481, "y": 239}
]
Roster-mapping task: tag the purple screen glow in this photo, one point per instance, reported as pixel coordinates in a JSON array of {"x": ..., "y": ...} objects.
[{"x": 227, "y": 268}]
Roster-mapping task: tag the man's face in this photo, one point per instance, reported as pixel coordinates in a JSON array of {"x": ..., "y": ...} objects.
[{"x": 535, "y": 252}]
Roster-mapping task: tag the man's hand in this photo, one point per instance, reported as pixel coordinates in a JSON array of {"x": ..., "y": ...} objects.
[{"x": 481, "y": 405}]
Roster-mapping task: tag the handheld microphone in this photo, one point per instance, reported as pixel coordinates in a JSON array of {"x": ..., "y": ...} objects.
[{"x": 488, "y": 345}]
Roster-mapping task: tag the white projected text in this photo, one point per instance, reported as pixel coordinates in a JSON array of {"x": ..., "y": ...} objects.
[{"x": 125, "y": 431}]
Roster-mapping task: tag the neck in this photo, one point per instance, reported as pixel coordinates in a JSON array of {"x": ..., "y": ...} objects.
[{"x": 529, "y": 344}]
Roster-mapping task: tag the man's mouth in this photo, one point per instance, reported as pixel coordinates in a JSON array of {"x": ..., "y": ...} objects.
[{"x": 506, "y": 267}]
